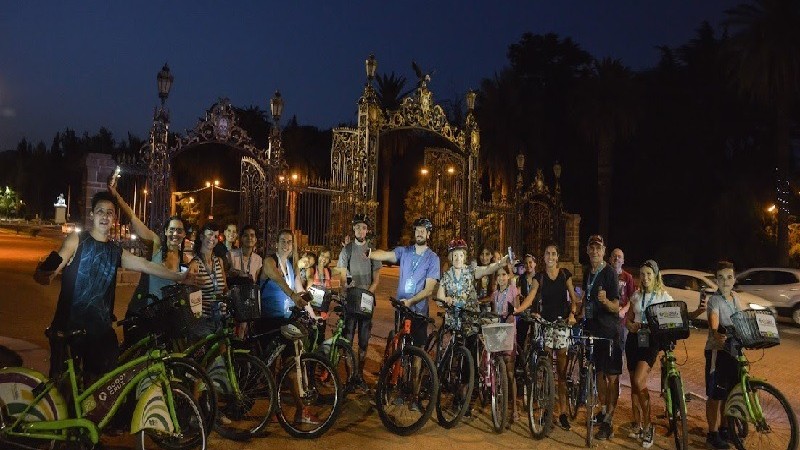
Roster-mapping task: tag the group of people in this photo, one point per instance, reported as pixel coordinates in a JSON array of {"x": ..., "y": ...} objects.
[{"x": 610, "y": 303}]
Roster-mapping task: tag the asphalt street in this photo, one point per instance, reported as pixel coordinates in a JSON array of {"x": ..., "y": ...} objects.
[{"x": 26, "y": 308}]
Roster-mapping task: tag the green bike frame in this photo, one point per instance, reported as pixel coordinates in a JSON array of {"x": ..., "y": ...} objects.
[
  {"x": 739, "y": 401},
  {"x": 669, "y": 370},
  {"x": 94, "y": 407}
]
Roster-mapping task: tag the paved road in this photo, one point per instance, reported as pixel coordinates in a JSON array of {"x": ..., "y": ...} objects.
[{"x": 26, "y": 308}]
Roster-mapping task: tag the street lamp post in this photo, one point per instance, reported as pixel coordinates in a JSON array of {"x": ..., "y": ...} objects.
[
  {"x": 208, "y": 184},
  {"x": 144, "y": 208}
]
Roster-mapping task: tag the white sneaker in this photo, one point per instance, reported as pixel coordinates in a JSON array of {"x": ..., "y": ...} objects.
[{"x": 647, "y": 437}]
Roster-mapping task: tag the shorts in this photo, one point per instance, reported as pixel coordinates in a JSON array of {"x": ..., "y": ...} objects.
[
  {"x": 605, "y": 363},
  {"x": 269, "y": 329},
  {"x": 724, "y": 377},
  {"x": 634, "y": 353},
  {"x": 556, "y": 338},
  {"x": 364, "y": 327}
]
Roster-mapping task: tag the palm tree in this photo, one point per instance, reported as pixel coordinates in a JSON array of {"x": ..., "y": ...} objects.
[
  {"x": 390, "y": 93},
  {"x": 606, "y": 106},
  {"x": 763, "y": 56}
]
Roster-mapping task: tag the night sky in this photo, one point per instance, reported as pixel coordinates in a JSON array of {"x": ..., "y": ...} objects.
[{"x": 89, "y": 64}]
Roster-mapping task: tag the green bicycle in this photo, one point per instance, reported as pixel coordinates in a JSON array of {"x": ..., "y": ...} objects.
[
  {"x": 758, "y": 414},
  {"x": 33, "y": 411},
  {"x": 245, "y": 388},
  {"x": 337, "y": 348},
  {"x": 668, "y": 322}
]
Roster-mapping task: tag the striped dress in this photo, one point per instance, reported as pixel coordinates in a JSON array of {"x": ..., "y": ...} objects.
[{"x": 206, "y": 279}]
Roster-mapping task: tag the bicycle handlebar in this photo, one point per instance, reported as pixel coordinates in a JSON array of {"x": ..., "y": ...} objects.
[{"x": 406, "y": 310}]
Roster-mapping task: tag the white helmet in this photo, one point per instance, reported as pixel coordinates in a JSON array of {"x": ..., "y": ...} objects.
[{"x": 293, "y": 331}]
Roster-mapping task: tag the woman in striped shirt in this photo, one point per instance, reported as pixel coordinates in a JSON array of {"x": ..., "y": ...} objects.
[{"x": 210, "y": 276}]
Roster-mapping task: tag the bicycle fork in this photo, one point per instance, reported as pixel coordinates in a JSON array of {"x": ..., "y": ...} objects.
[{"x": 298, "y": 348}]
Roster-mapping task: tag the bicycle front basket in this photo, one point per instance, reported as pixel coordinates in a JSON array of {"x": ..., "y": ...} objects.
[
  {"x": 185, "y": 304},
  {"x": 668, "y": 321},
  {"x": 499, "y": 337},
  {"x": 246, "y": 300},
  {"x": 756, "y": 328}
]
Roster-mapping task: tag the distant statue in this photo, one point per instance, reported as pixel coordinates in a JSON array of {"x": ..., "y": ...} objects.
[
  {"x": 422, "y": 77},
  {"x": 60, "y": 201}
]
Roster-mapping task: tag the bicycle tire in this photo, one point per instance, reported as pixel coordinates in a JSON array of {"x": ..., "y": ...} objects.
[
  {"x": 573, "y": 382},
  {"x": 324, "y": 391},
  {"x": 591, "y": 402},
  {"x": 243, "y": 415},
  {"x": 345, "y": 364},
  {"x": 428, "y": 389},
  {"x": 678, "y": 420},
  {"x": 192, "y": 375},
  {"x": 499, "y": 394},
  {"x": 749, "y": 435},
  {"x": 542, "y": 399},
  {"x": 190, "y": 419},
  {"x": 456, "y": 378}
]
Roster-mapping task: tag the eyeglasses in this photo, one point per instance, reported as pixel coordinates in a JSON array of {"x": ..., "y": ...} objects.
[{"x": 175, "y": 230}]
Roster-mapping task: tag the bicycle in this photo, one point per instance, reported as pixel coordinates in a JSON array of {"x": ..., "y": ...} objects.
[
  {"x": 584, "y": 392},
  {"x": 404, "y": 397},
  {"x": 757, "y": 413},
  {"x": 179, "y": 367},
  {"x": 668, "y": 322},
  {"x": 539, "y": 383},
  {"x": 245, "y": 387},
  {"x": 494, "y": 340},
  {"x": 308, "y": 386},
  {"x": 455, "y": 366},
  {"x": 337, "y": 348},
  {"x": 32, "y": 409}
]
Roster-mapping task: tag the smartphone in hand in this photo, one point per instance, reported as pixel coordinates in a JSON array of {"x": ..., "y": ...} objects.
[{"x": 511, "y": 257}]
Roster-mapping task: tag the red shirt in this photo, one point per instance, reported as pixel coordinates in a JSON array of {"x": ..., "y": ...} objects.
[{"x": 626, "y": 288}]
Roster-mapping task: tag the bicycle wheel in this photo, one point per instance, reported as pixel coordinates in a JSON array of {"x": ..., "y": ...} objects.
[
  {"x": 678, "y": 417},
  {"x": 190, "y": 419},
  {"x": 590, "y": 392},
  {"x": 192, "y": 375},
  {"x": 777, "y": 428},
  {"x": 573, "y": 381},
  {"x": 456, "y": 381},
  {"x": 401, "y": 410},
  {"x": 310, "y": 397},
  {"x": 244, "y": 412},
  {"x": 344, "y": 361},
  {"x": 499, "y": 394},
  {"x": 542, "y": 398}
]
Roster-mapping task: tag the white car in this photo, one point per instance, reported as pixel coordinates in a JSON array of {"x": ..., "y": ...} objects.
[
  {"x": 778, "y": 285},
  {"x": 686, "y": 286}
]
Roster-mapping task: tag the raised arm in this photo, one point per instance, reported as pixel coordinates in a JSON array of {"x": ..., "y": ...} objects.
[
  {"x": 383, "y": 256},
  {"x": 138, "y": 226},
  {"x": 132, "y": 262},
  {"x": 482, "y": 271}
]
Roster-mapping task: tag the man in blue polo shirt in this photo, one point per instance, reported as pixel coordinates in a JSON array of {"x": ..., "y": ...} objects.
[{"x": 419, "y": 273}]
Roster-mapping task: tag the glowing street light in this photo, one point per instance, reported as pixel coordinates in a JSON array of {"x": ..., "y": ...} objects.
[
  {"x": 772, "y": 208},
  {"x": 424, "y": 171},
  {"x": 212, "y": 186}
]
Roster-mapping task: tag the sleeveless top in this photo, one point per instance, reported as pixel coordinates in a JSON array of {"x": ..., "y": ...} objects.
[
  {"x": 274, "y": 302},
  {"x": 88, "y": 283},
  {"x": 554, "y": 299},
  {"x": 211, "y": 282},
  {"x": 324, "y": 281}
]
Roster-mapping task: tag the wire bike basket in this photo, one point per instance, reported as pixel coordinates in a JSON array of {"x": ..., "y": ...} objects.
[
  {"x": 668, "y": 321},
  {"x": 756, "y": 329},
  {"x": 183, "y": 306},
  {"x": 498, "y": 337}
]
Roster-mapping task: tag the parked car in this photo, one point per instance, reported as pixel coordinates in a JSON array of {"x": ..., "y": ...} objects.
[
  {"x": 778, "y": 285},
  {"x": 686, "y": 285}
]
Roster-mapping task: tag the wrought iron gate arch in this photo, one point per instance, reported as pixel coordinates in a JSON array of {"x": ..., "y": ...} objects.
[{"x": 218, "y": 126}]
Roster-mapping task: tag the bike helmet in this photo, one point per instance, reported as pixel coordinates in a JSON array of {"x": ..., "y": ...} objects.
[
  {"x": 456, "y": 244},
  {"x": 293, "y": 331},
  {"x": 423, "y": 222},
  {"x": 359, "y": 218}
]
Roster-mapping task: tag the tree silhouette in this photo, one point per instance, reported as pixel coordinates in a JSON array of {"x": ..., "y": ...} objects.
[{"x": 763, "y": 55}]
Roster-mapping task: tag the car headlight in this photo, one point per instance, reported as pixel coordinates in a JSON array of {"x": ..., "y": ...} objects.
[{"x": 755, "y": 306}]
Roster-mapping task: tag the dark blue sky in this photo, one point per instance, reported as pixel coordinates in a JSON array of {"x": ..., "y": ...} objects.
[{"x": 87, "y": 64}]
